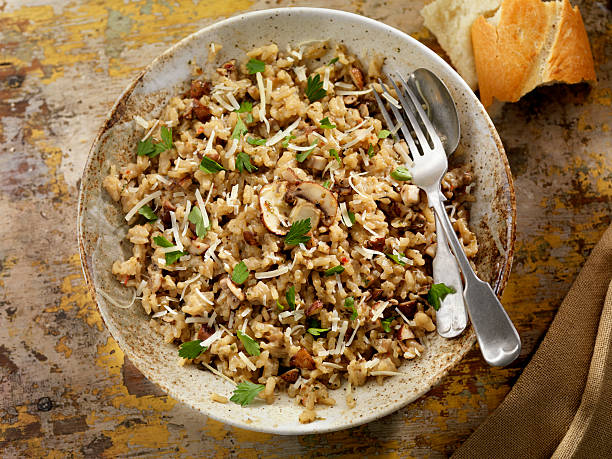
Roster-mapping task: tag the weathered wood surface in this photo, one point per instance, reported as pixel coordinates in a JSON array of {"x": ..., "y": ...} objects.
[{"x": 65, "y": 387}]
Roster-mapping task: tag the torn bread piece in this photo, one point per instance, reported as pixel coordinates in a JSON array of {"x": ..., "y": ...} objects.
[{"x": 528, "y": 43}]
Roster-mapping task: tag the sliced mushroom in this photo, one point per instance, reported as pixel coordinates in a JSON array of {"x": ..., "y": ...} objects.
[
  {"x": 304, "y": 210},
  {"x": 316, "y": 163},
  {"x": 404, "y": 332},
  {"x": 238, "y": 293},
  {"x": 274, "y": 208},
  {"x": 319, "y": 196}
]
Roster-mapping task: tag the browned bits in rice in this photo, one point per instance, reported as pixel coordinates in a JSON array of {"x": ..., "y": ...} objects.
[{"x": 345, "y": 284}]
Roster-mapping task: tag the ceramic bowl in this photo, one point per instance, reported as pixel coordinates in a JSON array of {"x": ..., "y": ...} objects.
[{"x": 102, "y": 228}]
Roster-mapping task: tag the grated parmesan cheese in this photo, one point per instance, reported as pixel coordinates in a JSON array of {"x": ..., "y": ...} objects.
[
  {"x": 300, "y": 73},
  {"x": 211, "y": 321},
  {"x": 280, "y": 135},
  {"x": 350, "y": 341},
  {"x": 340, "y": 342},
  {"x": 353, "y": 93},
  {"x": 345, "y": 215},
  {"x": 186, "y": 218},
  {"x": 392, "y": 100},
  {"x": 201, "y": 295},
  {"x": 159, "y": 314},
  {"x": 175, "y": 231},
  {"x": 187, "y": 282},
  {"x": 275, "y": 272},
  {"x": 147, "y": 199}
]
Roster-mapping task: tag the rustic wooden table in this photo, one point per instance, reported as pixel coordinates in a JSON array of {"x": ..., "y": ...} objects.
[{"x": 66, "y": 388}]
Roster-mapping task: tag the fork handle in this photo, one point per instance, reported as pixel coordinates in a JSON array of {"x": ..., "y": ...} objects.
[{"x": 499, "y": 341}]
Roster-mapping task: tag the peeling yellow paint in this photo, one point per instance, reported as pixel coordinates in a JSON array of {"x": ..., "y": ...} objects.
[{"x": 62, "y": 347}]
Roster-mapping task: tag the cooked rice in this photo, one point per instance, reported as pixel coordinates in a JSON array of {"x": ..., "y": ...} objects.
[{"x": 194, "y": 298}]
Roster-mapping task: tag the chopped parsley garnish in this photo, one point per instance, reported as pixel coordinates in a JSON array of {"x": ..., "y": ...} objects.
[
  {"x": 280, "y": 305},
  {"x": 249, "y": 118},
  {"x": 371, "y": 151},
  {"x": 245, "y": 107},
  {"x": 239, "y": 129},
  {"x": 326, "y": 184},
  {"x": 162, "y": 241},
  {"x": 251, "y": 346},
  {"x": 302, "y": 155},
  {"x": 145, "y": 148},
  {"x": 314, "y": 88},
  {"x": 240, "y": 273},
  {"x": 255, "y": 66},
  {"x": 384, "y": 134},
  {"x": 333, "y": 61},
  {"x": 285, "y": 142},
  {"x": 191, "y": 349},
  {"x": 437, "y": 293},
  {"x": 335, "y": 270},
  {"x": 401, "y": 174},
  {"x": 171, "y": 257},
  {"x": 210, "y": 166},
  {"x": 290, "y": 297},
  {"x": 317, "y": 331},
  {"x": 254, "y": 141},
  {"x": 246, "y": 392},
  {"x": 150, "y": 149},
  {"x": 386, "y": 324},
  {"x": 147, "y": 213},
  {"x": 196, "y": 217},
  {"x": 326, "y": 124},
  {"x": 397, "y": 257},
  {"x": 297, "y": 232},
  {"x": 243, "y": 162},
  {"x": 349, "y": 303},
  {"x": 351, "y": 216},
  {"x": 334, "y": 154}
]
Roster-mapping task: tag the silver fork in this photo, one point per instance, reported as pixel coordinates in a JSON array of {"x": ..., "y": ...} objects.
[{"x": 499, "y": 341}]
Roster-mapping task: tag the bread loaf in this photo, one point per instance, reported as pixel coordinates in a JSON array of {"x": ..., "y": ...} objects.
[
  {"x": 527, "y": 43},
  {"x": 451, "y": 22}
]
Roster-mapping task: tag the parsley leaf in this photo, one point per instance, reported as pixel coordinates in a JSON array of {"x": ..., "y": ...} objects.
[
  {"x": 280, "y": 305},
  {"x": 147, "y": 213},
  {"x": 290, "y": 296},
  {"x": 251, "y": 346},
  {"x": 296, "y": 234},
  {"x": 285, "y": 143},
  {"x": 191, "y": 349},
  {"x": 333, "y": 61},
  {"x": 239, "y": 129},
  {"x": 335, "y": 270},
  {"x": 326, "y": 124},
  {"x": 437, "y": 293},
  {"x": 386, "y": 324},
  {"x": 326, "y": 184},
  {"x": 240, "y": 273},
  {"x": 166, "y": 142},
  {"x": 246, "y": 392},
  {"x": 302, "y": 155},
  {"x": 398, "y": 258},
  {"x": 334, "y": 154},
  {"x": 349, "y": 303},
  {"x": 371, "y": 151},
  {"x": 196, "y": 217},
  {"x": 162, "y": 241},
  {"x": 401, "y": 174},
  {"x": 245, "y": 107},
  {"x": 317, "y": 331},
  {"x": 314, "y": 88},
  {"x": 243, "y": 162},
  {"x": 255, "y": 66},
  {"x": 172, "y": 257},
  {"x": 254, "y": 141},
  {"x": 210, "y": 166},
  {"x": 145, "y": 148},
  {"x": 351, "y": 216},
  {"x": 384, "y": 134}
]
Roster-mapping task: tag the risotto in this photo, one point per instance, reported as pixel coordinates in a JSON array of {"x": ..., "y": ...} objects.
[{"x": 277, "y": 239}]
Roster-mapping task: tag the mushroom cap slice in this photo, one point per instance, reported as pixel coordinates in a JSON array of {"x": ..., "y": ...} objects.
[
  {"x": 320, "y": 197},
  {"x": 304, "y": 210},
  {"x": 274, "y": 208}
]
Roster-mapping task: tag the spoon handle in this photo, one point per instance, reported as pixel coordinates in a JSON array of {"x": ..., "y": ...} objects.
[
  {"x": 451, "y": 318},
  {"x": 499, "y": 341}
]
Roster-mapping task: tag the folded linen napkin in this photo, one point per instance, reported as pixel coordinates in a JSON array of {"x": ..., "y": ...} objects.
[{"x": 561, "y": 405}]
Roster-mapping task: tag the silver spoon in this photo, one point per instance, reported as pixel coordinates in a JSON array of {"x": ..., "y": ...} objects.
[{"x": 452, "y": 316}]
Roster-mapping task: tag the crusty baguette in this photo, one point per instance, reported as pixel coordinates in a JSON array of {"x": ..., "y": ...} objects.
[
  {"x": 528, "y": 43},
  {"x": 451, "y": 21}
]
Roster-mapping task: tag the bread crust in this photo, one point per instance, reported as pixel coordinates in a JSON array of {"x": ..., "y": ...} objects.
[
  {"x": 506, "y": 54},
  {"x": 571, "y": 60}
]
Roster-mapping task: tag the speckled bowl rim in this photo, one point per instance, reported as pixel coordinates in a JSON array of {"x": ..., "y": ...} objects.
[{"x": 499, "y": 284}]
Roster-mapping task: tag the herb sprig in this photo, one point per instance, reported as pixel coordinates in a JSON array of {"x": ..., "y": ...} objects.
[
  {"x": 246, "y": 392},
  {"x": 191, "y": 349},
  {"x": 297, "y": 232},
  {"x": 314, "y": 88},
  {"x": 437, "y": 293}
]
